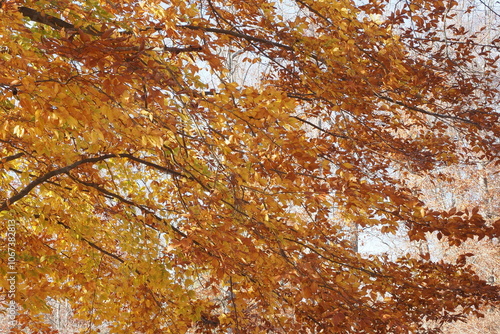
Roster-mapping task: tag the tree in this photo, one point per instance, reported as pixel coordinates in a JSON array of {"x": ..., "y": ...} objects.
[
  {"x": 156, "y": 195},
  {"x": 471, "y": 185}
]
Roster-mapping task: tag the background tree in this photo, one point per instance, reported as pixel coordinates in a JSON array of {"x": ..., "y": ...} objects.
[{"x": 156, "y": 198}]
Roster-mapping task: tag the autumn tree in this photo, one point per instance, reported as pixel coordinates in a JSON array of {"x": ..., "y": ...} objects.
[
  {"x": 155, "y": 194},
  {"x": 470, "y": 184}
]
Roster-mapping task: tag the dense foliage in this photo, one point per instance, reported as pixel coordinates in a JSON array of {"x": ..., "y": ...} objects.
[{"x": 160, "y": 188}]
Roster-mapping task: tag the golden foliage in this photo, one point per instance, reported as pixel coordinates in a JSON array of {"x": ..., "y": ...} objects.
[{"x": 157, "y": 194}]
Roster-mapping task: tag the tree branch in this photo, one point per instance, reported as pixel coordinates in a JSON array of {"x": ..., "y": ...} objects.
[
  {"x": 49, "y": 20},
  {"x": 237, "y": 34},
  {"x": 320, "y": 128},
  {"x": 93, "y": 245},
  {"x": 423, "y": 111},
  {"x": 59, "y": 24},
  {"x": 151, "y": 164},
  {"x": 435, "y": 40},
  {"x": 27, "y": 189},
  {"x": 11, "y": 157}
]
